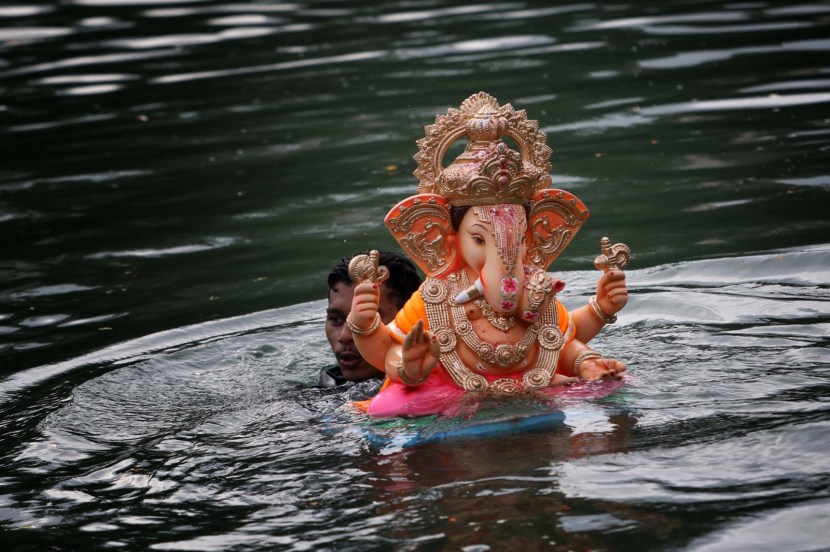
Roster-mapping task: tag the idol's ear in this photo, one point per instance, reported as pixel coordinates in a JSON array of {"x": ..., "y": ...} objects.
[
  {"x": 422, "y": 226},
  {"x": 555, "y": 218}
]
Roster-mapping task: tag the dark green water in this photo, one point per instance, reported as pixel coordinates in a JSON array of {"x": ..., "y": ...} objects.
[{"x": 177, "y": 178}]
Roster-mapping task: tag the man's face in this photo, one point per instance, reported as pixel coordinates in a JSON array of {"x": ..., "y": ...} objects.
[{"x": 352, "y": 365}]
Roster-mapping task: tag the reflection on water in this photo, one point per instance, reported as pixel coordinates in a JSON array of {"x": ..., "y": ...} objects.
[{"x": 179, "y": 175}]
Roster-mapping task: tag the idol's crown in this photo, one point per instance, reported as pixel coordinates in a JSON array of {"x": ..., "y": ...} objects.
[{"x": 488, "y": 172}]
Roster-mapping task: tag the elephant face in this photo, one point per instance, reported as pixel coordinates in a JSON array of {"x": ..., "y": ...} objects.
[
  {"x": 491, "y": 241},
  {"x": 423, "y": 227}
]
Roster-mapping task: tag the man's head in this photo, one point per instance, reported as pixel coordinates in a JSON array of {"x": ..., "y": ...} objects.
[{"x": 402, "y": 283}]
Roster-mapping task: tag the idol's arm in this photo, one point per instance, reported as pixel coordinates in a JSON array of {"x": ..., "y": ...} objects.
[
  {"x": 577, "y": 360},
  {"x": 611, "y": 297},
  {"x": 587, "y": 325},
  {"x": 371, "y": 335}
]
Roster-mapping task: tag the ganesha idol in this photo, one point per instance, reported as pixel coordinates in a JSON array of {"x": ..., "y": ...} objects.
[{"x": 484, "y": 230}]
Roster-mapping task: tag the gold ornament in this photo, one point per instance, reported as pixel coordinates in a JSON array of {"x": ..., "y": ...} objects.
[
  {"x": 582, "y": 357},
  {"x": 441, "y": 322},
  {"x": 402, "y": 375},
  {"x": 373, "y": 327},
  {"x": 504, "y": 355},
  {"x": 612, "y": 256},
  {"x": 600, "y": 314},
  {"x": 488, "y": 172},
  {"x": 364, "y": 268},
  {"x": 503, "y": 323},
  {"x": 538, "y": 285}
]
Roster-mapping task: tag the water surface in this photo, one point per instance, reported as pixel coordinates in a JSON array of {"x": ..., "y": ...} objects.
[{"x": 179, "y": 176}]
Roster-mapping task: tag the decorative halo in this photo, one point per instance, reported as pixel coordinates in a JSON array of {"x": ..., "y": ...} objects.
[{"x": 452, "y": 126}]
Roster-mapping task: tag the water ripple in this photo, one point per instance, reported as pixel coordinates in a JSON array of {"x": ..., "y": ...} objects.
[
  {"x": 249, "y": 19},
  {"x": 178, "y": 41},
  {"x": 650, "y": 21},
  {"x": 214, "y": 243},
  {"x": 448, "y": 13},
  {"x": 282, "y": 7},
  {"x": 798, "y": 527},
  {"x": 700, "y": 57},
  {"x": 681, "y": 30},
  {"x": 303, "y": 63},
  {"x": 24, "y": 10},
  {"x": 83, "y": 61},
  {"x": 112, "y": 3},
  {"x": 30, "y": 34},
  {"x": 645, "y": 115},
  {"x": 788, "y": 85},
  {"x": 90, "y": 90}
]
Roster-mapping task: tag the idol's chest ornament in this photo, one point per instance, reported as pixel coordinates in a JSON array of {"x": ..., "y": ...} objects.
[{"x": 449, "y": 322}]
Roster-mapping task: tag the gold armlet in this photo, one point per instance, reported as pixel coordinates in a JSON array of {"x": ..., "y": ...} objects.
[
  {"x": 599, "y": 313},
  {"x": 368, "y": 331},
  {"x": 406, "y": 379},
  {"x": 582, "y": 357}
]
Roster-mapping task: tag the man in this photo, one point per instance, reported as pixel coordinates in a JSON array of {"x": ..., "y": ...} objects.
[{"x": 402, "y": 283}]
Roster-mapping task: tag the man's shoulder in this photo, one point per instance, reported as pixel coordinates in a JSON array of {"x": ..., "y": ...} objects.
[{"x": 331, "y": 377}]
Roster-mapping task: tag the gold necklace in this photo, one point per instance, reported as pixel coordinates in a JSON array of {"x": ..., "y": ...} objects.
[
  {"x": 503, "y": 323},
  {"x": 436, "y": 297},
  {"x": 504, "y": 355}
]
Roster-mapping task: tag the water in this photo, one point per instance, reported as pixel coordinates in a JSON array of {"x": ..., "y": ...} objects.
[{"x": 177, "y": 178}]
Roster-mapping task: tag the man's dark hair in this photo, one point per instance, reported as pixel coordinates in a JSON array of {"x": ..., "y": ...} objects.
[{"x": 403, "y": 276}]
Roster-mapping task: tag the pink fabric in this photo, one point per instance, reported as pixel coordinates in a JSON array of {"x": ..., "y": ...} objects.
[
  {"x": 436, "y": 395},
  {"x": 440, "y": 395}
]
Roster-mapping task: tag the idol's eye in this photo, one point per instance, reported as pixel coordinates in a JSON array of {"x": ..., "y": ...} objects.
[{"x": 478, "y": 239}]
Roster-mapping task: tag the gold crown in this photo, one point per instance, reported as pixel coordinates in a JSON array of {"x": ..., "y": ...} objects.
[{"x": 488, "y": 172}]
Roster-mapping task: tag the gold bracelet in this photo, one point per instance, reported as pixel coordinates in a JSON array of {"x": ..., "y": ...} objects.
[
  {"x": 406, "y": 379},
  {"x": 582, "y": 357},
  {"x": 599, "y": 313},
  {"x": 368, "y": 331}
]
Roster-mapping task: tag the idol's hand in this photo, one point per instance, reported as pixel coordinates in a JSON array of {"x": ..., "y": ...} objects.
[
  {"x": 559, "y": 379},
  {"x": 365, "y": 305},
  {"x": 612, "y": 293},
  {"x": 601, "y": 368},
  {"x": 419, "y": 355}
]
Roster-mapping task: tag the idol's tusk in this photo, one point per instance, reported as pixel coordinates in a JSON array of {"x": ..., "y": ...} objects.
[{"x": 473, "y": 292}]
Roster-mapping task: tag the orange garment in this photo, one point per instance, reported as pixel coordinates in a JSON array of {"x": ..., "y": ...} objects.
[{"x": 409, "y": 315}]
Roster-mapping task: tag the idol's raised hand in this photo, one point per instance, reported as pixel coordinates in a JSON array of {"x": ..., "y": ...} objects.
[
  {"x": 612, "y": 293},
  {"x": 364, "y": 318},
  {"x": 419, "y": 355}
]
